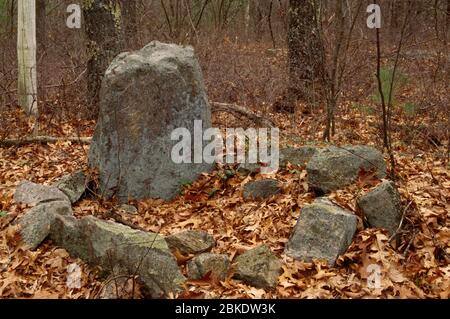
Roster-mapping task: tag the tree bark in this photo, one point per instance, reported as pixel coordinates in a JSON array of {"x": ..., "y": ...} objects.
[
  {"x": 41, "y": 39},
  {"x": 306, "y": 53},
  {"x": 102, "y": 26},
  {"x": 130, "y": 25}
]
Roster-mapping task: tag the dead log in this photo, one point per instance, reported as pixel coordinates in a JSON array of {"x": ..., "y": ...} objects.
[
  {"x": 43, "y": 140},
  {"x": 240, "y": 110},
  {"x": 216, "y": 107}
]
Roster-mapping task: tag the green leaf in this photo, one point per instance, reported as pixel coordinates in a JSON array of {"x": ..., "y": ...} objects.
[{"x": 3, "y": 214}]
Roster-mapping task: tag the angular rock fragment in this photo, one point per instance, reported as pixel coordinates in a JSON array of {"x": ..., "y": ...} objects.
[
  {"x": 323, "y": 231},
  {"x": 191, "y": 241},
  {"x": 31, "y": 194},
  {"x": 109, "y": 244},
  {"x": 258, "y": 267},
  {"x": 261, "y": 189},
  {"x": 335, "y": 167},
  {"x": 207, "y": 263},
  {"x": 36, "y": 223},
  {"x": 382, "y": 207},
  {"x": 73, "y": 185},
  {"x": 297, "y": 155}
]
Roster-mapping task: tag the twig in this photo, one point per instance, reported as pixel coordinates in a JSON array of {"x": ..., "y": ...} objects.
[{"x": 401, "y": 222}]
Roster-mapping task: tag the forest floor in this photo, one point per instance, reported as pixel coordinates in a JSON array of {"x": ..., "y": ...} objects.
[{"x": 417, "y": 267}]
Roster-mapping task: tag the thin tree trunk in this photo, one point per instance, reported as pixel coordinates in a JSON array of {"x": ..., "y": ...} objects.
[
  {"x": 305, "y": 49},
  {"x": 41, "y": 39},
  {"x": 26, "y": 53},
  {"x": 102, "y": 26},
  {"x": 130, "y": 25}
]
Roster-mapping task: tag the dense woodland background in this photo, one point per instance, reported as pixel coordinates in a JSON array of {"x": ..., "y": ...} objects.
[{"x": 248, "y": 54}]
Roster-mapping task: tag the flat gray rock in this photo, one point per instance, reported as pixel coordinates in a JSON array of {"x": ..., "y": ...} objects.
[
  {"x": 145, "y": 96},
  {"x": 216, "y": 265},
  {"x": 261, "y": 189},
  {"x": 110, "y": 244},
  {"x": 297, "y": 155},
  {"x": 191, "y": 241},
  {"x": 31, "y": 194},
  {"x": 335, "y": 167},
  {"x": 73, "y": 185},
  {"x": 258, "y": 267},
  {"x": 36, "y": 223},
  {"x": 323, "y": 231},
  {"x": 382, "y": 207}
]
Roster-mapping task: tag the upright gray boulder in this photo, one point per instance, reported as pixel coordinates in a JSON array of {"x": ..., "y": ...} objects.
[
  {"x": 323, "y": 231},
  {"x": 335, "y": 167},
  {"x": 382, "y": 207},
  {"x": 145, "y": 95}
]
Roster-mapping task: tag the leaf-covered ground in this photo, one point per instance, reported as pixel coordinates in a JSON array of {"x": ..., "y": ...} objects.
[{"x": 417, "y": 267}]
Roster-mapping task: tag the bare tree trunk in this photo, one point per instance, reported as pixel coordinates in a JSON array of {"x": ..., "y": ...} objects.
[
  {"x": 102, "y": 26},
  {"x": 306, "y": 53},
  {"x": 41, "y": 38},
  {"x": 448, "y": 16},
  {"x": 26, "y": 53},
  {"x": 130, "y": 25}
]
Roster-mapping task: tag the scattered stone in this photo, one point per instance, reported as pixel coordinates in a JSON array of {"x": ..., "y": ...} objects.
[
  {"x": 261, "y": 189},
  {"x": 382, "y": 207},
  {"x": 107, "y": 243},
  {"x": 145, "y": 96},
  {"x": 31, "y": 194},
  {"x": 249, "y": 168},
  {"x": 36, "y": 223},
  {"x": 73, "y": 185},
  {"x": 128, "y": 209},
  {"x": 258, "y": 267},
  {"x": 201, "y": 265},
  {"x": 191, "y": 241},
  {"x": 297, "y": 155},
  {"x": 335, "y": 167},
  {"x": 323, "y": 231}
]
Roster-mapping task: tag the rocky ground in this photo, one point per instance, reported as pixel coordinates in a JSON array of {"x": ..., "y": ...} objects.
[{"x": 416, "y": 266}]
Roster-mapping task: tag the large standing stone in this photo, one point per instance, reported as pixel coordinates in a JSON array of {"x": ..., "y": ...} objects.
[
  {"x": 323, "y": 231},
  {"x": 336, "y": 167},
  {"x": 31, "y": 194},
  {"x": 258, "y": 267},
  {"x": 382, "y": 207},
  {"x": 145, "y": 96},
  {"x": 191, "y": 241},
  {"x": 36, "y": 223},
  {"x": 110, "y": 244}
]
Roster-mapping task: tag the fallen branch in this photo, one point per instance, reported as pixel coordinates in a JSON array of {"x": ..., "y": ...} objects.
[
  {"x": 216, "y": 107},
  {"x": 43, "y": 140},
  {"x": 240, "y": 110}
]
